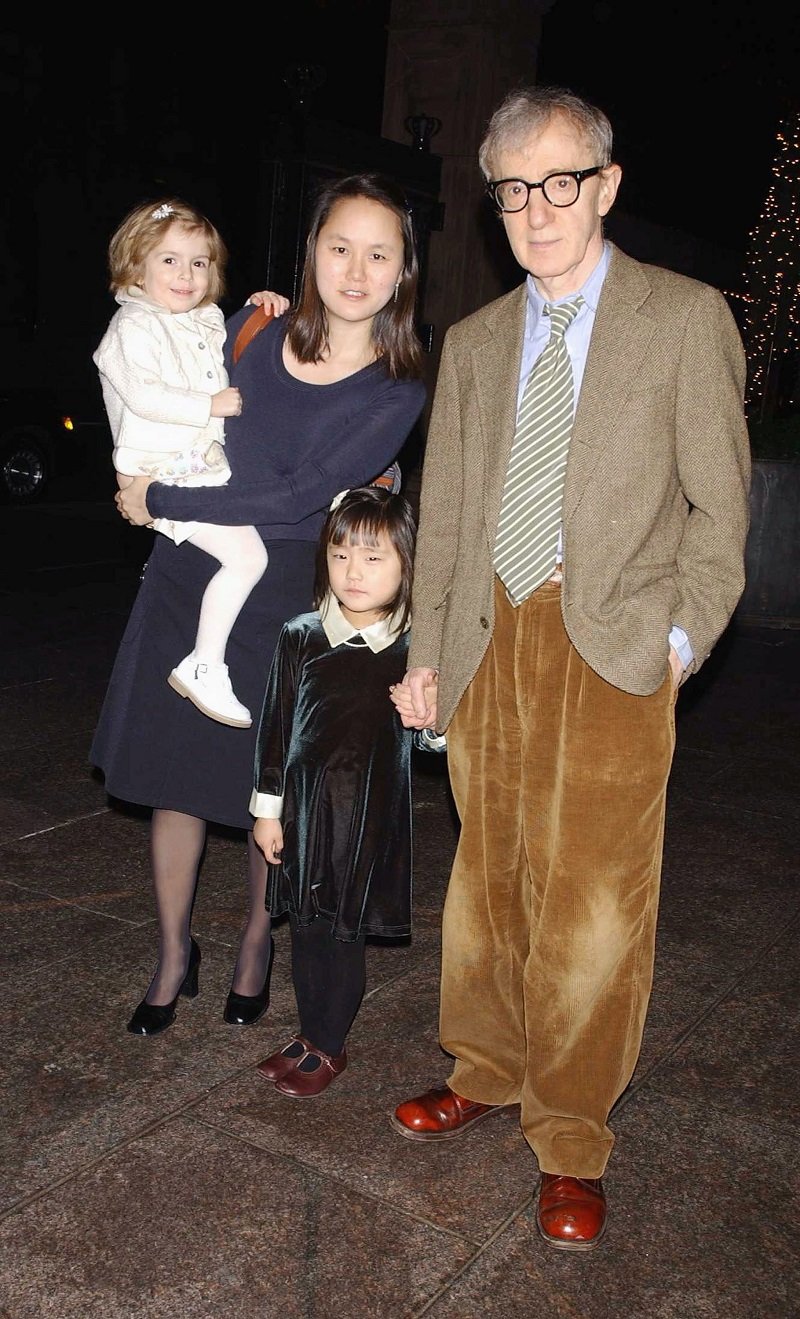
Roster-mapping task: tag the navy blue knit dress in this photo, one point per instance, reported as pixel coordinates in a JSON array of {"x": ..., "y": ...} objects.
[{"x": 293, "y": 448}]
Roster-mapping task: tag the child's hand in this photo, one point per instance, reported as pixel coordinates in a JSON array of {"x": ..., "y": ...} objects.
[
  {"x": 227, "y": 403},
  {"x": 269, "y": 837},
  {"x": 274, "y": 302}
]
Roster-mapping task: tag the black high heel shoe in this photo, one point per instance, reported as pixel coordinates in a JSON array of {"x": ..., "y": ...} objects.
[
  {"x": 152, "y": 1018},
  {"x": 246, "y": 1009}
]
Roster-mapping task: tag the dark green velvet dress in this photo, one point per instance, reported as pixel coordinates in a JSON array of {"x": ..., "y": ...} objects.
[{"x": 331, "y": 744}]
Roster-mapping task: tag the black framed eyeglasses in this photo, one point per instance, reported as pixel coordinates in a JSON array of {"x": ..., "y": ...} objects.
[{"x": 562, "y": 189}]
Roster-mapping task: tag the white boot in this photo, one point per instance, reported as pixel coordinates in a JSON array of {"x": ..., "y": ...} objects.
[{"x": 209, "y": 688}]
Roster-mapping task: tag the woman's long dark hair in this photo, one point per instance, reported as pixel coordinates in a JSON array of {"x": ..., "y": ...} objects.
[
  {"x": 364, "y": 515},
  {"x": 393, "y": 331}
]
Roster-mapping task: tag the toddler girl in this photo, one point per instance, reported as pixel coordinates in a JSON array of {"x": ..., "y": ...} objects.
[{"x": 166, "y": 392}]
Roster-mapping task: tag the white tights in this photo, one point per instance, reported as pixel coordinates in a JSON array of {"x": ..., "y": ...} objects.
[{"x": 243, "y": 558}]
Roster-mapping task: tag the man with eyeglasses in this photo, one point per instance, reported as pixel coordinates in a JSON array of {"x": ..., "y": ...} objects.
[{"x": 584, "y": 509}]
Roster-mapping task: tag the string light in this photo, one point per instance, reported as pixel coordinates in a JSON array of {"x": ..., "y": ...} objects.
[{"x": 771, "y": 323}]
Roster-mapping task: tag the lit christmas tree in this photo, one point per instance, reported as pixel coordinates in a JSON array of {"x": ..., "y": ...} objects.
[{"x": 772, "y": 315}]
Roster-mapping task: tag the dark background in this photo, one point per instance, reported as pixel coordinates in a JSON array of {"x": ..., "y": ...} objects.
[
  {"x": 97, "y": 120},
  {"x": 695, "y": 92}
]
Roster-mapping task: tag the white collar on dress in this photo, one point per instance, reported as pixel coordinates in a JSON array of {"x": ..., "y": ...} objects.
[{"x": 338, "y": 631}]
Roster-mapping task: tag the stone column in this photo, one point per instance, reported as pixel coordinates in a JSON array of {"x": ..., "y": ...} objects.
[{"x": 453, "y": 61}]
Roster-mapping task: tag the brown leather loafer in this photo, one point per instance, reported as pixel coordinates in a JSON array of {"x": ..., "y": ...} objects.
[
  {"x": 439, "y": 1114},
  {"x": 278, "y": 1065},
  {"x": 302, "y": 1085},
  {"x": 571, "y": 1211}
]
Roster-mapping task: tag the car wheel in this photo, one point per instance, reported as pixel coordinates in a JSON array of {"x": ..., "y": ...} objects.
[{"x": 24, "y": 466}]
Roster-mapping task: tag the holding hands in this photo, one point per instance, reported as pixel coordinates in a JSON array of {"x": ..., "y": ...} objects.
[{"x": 415, "y": 698}]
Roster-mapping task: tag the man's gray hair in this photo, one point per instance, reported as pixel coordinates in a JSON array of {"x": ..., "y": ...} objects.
[{"x": 529, "y": 109}]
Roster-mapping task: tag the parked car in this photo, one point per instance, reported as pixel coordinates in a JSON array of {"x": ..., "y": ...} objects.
[{"x": 52, "y": 443}]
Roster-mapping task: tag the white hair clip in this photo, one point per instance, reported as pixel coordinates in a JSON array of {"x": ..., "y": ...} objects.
[
  {"x": 161, "y": 212},
  {"x": 337, "y": 499}
]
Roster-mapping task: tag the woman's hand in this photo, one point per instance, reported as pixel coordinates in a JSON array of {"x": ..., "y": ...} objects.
[
  {"x": 132, "y": 502},
  {"x": 274, "y": 302}
]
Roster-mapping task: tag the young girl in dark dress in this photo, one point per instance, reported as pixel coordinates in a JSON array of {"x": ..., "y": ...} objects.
[
  {"x": 333, "y": 778},
  {"x": 330, "y": 392}
]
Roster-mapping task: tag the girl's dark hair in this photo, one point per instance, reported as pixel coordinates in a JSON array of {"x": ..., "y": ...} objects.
[
  {"x": 393, "y": 331},
  {"x": 363, "y": 516}
]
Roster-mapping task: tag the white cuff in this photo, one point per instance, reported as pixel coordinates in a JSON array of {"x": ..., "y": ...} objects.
[
  {"x": 265, "y": 807},
  {"x": 681, "y": 645}
]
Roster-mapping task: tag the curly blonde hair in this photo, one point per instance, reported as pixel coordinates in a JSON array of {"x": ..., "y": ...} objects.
[{"x": 143, "y": 228}]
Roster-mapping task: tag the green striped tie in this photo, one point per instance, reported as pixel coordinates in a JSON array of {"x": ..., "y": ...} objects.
[{"x": 530, "y": 512}]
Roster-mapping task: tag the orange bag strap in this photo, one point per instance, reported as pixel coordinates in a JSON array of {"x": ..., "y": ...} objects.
[{"x": 255, "y": 322}]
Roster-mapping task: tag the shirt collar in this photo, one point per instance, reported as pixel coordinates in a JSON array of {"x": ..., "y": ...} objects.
[
  {"x": 338, "y": 631},
  {"x": 589, "y": 291}
]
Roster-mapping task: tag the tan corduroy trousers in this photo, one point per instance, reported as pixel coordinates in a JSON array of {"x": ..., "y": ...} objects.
[{"x": 549, "y": 923}]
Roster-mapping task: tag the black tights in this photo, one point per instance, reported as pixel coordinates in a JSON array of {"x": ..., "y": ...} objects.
[
  {"x": 177, "y": 845},
  {"x": 329, "y": 979}
]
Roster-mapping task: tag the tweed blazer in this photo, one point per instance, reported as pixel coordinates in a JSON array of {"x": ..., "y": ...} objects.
[{"x": 656, "y": 499}]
